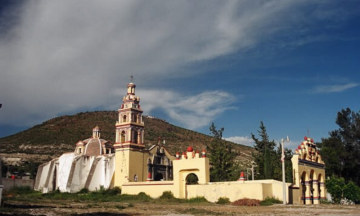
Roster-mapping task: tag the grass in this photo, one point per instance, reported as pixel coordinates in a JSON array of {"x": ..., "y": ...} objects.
[
  {"x": 102, "y": 195},
  {"x": 325, "y": 201}
]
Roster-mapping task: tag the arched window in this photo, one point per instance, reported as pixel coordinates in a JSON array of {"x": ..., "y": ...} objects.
[
  {"x": 122, "y": 140},
  {"x": 135, "y": 137},
  {"x": 124, "y": 118},
  {"x": 135, "y": 118}
]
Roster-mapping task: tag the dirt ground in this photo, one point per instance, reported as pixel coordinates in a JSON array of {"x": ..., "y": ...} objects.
[{"x": 169, "y": 209}]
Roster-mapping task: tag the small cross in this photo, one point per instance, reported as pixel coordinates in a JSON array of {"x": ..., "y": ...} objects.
[{"x": 132, "y": 78}]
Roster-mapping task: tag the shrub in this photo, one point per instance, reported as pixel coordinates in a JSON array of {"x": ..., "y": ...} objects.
[
  {"x": 84, "y": 191},
  {"x": 197, "y": 200},
  {"x": 325, "y": 201},
  {"x": 352, "y": 192},
  {"x": 340, "y": 190},
  {"x": 270, "y": 201},
  {"x": 143, "y": 196},
  {"x": 223, "y": 200},
  {"x": 113, "y": 191},
  {"x": 246, "y": 202},
  {"x": 335, "y": 186},
  {"x": 168, "y": 195}
]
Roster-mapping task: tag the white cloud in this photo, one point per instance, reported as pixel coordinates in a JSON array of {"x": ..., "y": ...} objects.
[
  {"x": 192, "y": 111},
  {"x": 244, "y": 140},
  {"x": 64, "y": 56},
  {"x": 334, "y": 88}
]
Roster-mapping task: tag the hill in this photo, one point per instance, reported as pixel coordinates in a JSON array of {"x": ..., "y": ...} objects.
[{"x": 58, "y": 135}]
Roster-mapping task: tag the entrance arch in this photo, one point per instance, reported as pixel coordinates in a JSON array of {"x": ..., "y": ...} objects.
[
  {"x": 183, "y": 175},
  {"x": 192, "y": 179},
  {"x": 311, "y": 186},
  {"x": 304, "y": 179}
]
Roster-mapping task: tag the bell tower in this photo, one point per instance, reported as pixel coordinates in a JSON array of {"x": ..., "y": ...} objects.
[
  {"x": 129, "y": 141},
  {"x": 130, "y": 125}
]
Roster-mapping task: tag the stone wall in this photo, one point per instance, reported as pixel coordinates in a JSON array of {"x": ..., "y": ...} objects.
[{"x": 10, "y": 183}]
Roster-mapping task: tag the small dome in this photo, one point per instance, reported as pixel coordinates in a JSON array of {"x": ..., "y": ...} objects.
[{"x": 93, "y": 148}]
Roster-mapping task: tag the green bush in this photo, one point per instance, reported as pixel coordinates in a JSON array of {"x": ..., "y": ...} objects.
[
  {"x": 197, "y": 200},
  {"x": 270, "y": 201},
  {"x": 223, "y": 200},
  {"x": 84, "y": 191},
  {"x": 338, "y": 189},
  {"x": 113, "y": 191},
  {"x": 325, "y": 201},
  {"x": 167, "y": 195},
  {"x": 352, "y": 192}
]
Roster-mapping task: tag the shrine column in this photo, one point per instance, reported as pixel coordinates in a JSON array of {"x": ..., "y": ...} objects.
[
  {"x": 307, "y": 192},
  {"x": 117, "y": 136},
  {"x": 322, "y": 190},
  {"x": 130, "y": 134},
  {"x": 138, "y": 137},
  {"x": 315, "y": 192}
]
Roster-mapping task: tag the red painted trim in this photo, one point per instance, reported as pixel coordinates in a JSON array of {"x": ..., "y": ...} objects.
[
  {"x": 129, "y": 124},
  {"x": 130, "y": 108},
  {"x": 146, "y": 184}
]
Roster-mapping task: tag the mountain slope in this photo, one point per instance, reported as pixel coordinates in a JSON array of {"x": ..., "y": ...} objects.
[{"x": 58, "y": 135}]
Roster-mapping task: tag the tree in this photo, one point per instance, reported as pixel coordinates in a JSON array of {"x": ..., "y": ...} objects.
[
  {"x": 268, "y": 159},
  {"x": 341, "y": 151},
  {"x": 339, "y": 189},
  {"x": 264, "y": 157},
  {"x": 222, "y": 157}
]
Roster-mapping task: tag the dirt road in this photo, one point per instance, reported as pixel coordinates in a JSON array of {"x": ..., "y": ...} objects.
[{"x": 148, "y": 208}]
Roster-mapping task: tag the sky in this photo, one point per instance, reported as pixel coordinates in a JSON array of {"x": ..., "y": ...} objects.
[{"x": 292, "y": 64}]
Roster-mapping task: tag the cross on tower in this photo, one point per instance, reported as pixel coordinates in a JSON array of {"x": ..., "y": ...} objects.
[{"x": 132, "y": 78}]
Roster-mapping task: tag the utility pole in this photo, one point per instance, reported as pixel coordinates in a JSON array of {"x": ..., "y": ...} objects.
[{"x": 283, "y": 168}]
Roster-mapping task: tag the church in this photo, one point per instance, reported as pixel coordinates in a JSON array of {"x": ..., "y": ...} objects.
[
  {"x": 98, "y": 164},
  {"x": 92, "y": 164}
]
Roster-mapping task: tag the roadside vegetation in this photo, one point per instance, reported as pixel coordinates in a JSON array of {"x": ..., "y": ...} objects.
[{"x": 101, "y": 195}]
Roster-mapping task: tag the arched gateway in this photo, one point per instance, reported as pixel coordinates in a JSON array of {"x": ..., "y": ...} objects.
[{"x": 308, "y": 174}]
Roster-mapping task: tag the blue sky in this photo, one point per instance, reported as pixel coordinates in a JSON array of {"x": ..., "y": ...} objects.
[{"x": 291, "y": 64}]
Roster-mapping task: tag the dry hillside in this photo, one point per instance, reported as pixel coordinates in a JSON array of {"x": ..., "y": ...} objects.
[{"x": 58, "y": 135}]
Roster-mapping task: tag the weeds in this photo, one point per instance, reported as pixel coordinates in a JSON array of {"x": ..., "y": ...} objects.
[
  {"x": 223, "y": 200},
  {"x": 167, "y": 195},
  {"x": 270, "y": 201},
  {"x": 325, "y": 201},
  {"x": 197, "y": 200}
]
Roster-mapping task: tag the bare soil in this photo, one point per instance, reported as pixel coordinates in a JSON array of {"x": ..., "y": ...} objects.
[{"x": 61, "y": 207}]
